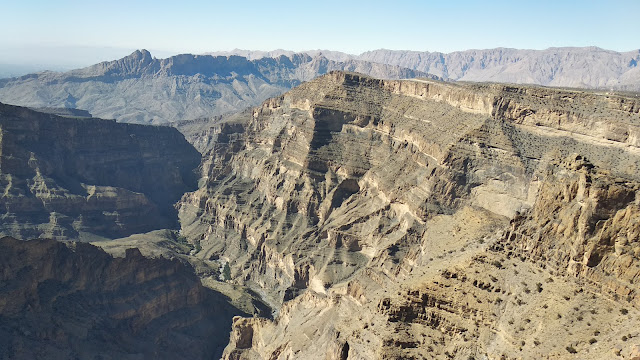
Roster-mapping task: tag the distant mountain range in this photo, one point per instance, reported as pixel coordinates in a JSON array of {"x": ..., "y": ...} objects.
[
  {"x": 588, "y": 67},
  {"x": 585, "y": 67},
  {"x": 142, "y": 89}
]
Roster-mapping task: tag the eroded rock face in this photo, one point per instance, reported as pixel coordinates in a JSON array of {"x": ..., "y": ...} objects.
[
  {"x": 352, "y": 195},
  {"x": 61, "y": 301},
  {"x": 69, "y": 178},
  {"x": 355, "y": 166},
  {"x": 585, "y": 223}
]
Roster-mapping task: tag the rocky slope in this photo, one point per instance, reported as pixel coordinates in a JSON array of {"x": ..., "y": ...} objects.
[
  {"x": 71, "y": 301},
  {"x": 421, "y": 219},
  {"x": 70, "y": 178},
  {"x": 143, "y": 89}
]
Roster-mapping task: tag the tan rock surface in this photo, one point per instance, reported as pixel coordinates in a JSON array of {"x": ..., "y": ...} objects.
[
  {"x": 71, "y": 178},
  {"x": 419, "y": 219}
]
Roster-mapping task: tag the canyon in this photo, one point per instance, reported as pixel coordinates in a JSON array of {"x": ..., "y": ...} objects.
[
  {"x": 356, "y": 218},
  {"x": 421, "y": 219}
]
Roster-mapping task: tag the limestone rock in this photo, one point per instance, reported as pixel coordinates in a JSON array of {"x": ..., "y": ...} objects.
[
  {"x": 422, "y": 219},
  {"x": 71, "y": 178},
  {"x": 61, "y": 301}
]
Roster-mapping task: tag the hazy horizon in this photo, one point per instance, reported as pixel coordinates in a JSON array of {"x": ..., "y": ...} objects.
[
  {"x": 20, "y": 61},
  {"x": 34, "y": 29}
]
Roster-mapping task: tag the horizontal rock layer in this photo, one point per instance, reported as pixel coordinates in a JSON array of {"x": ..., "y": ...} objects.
[
  {"x": 348, "y": 181},
  {"x": 64, "y": 177},
  {"x": 61, "y": 301}
]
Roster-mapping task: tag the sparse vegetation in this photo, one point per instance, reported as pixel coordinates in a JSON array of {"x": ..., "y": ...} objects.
[{"x": 226, "y": 272}]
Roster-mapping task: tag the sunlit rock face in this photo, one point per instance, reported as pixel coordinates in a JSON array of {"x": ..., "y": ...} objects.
[{"x": 388, "y": 219}]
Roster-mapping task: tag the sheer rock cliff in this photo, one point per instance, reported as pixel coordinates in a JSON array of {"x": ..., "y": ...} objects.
[
  {"x": 64, "y": 301},
  {"x": 421, "y": 219},
  {"x": 70, "y": 178}
]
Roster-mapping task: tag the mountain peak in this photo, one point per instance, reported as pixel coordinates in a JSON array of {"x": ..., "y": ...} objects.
[{"x": 140, "y": 54}]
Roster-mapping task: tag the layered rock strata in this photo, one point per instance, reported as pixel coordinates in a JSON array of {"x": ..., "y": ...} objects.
[
  {"x": 70, "y": 178},
  {"x": 62, "y": 301},
  {"x": 349, "y": 185}
]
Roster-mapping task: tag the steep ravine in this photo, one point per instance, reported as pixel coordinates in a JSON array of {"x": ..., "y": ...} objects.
[
  {"x": 68, "y": 301},
  {"x": 353, "y": 195}
]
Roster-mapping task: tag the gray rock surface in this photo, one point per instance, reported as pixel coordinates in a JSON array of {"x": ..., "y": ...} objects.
[
  {"x": 70, "y": 178},
  {"x": 143, "y": 89},
  {"x": 423, "y": 219},
  {"x": 74, "y": 301},
  {"x": 587, "y": 67}
]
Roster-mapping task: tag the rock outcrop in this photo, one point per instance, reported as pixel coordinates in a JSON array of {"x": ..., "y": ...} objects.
[
  {"x": 423, "y": 207},
  {"x": 64, "y": 301},
  {"x": 70, "y": 178},
  {"x": 142, "y": 89}
]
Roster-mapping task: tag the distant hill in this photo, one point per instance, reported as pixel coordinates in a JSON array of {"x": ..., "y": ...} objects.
[
  {"x": 588, "y": 67},
  {"x": 585, "y": 67},
  {"x": 142, "y": 89}
]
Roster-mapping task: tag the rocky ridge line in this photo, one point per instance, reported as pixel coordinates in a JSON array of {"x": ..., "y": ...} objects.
[{"x": 142, "y": 89}]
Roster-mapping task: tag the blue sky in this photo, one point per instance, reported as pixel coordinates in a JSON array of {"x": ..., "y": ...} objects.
[{"x": 350, "y": 26}]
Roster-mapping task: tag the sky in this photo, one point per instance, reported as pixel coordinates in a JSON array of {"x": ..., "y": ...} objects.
[{"x": 54, "y": 31}]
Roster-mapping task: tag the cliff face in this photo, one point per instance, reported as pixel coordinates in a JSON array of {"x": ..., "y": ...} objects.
[
  {"x": 588, "y": 67},
  {"x": 353, "y": 195},
  {"x": 62, "y": 301},
  {"x": 67, "y": 178}
]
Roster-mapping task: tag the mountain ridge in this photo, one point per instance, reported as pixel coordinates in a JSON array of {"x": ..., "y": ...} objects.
[
  {"x": 556, "y": 66},
  {"x": 141, "y": 89}
]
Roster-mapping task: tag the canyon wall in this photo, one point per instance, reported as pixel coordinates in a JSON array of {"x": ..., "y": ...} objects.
[
  {"x": 353, "y": 195},
  {"x": 61, "y": 301},
  {"x": 70, "y": 178}
]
